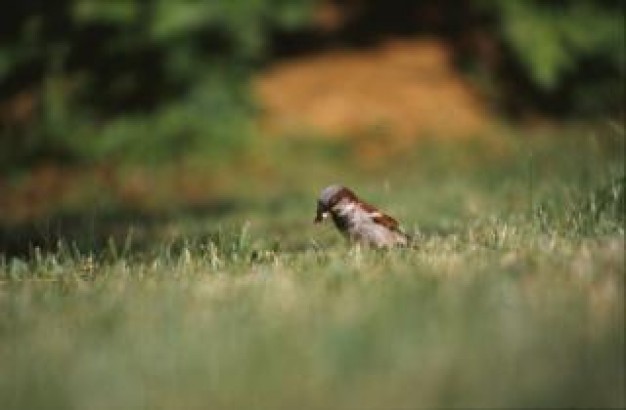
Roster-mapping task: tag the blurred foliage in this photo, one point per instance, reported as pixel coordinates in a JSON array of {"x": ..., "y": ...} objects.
[
  {"x": 147, "y": 80},
  {"x": 570, "y": 51},
  {"x": 85, "y": 79}
]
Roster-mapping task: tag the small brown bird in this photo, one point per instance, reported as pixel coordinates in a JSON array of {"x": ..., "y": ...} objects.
[{"x": 358, "y": 221}]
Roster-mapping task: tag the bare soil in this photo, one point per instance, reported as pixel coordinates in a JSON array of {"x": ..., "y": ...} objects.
[{"x": 407, "y": 88}]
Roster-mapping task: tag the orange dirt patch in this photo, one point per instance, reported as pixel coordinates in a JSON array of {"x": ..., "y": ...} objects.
[{"x": 408, "y": 88}]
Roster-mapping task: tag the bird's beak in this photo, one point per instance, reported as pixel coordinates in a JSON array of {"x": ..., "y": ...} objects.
[
  {"x": 320, "y": 217},
  {"x": 321, "y": 214}
]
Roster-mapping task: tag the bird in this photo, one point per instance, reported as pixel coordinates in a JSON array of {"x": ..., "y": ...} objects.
[{"x": 358, "y": 221}]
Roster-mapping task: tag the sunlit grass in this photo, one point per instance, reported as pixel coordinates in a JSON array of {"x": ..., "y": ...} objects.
[{"x": 511, "y": 296}]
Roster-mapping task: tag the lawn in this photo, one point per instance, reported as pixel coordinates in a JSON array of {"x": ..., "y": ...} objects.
[{"x": 511, "y": 295}]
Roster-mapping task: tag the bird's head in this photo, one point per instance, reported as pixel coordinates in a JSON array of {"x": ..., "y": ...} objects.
[{"x": 328, "y": 198}]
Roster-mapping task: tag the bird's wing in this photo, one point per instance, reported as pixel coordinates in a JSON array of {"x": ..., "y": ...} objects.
[
  {"x": 383, "y": 219},
  {"x": 386, "y": 221}
]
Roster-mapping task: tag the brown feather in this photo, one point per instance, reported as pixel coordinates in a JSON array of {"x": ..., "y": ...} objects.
[
  {"x": 381, "y": 218},
  {"x": 344, "y": 193},
  {"x": 387, "y": 221}
]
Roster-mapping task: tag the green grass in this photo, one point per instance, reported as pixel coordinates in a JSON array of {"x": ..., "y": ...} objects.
[{"x": 513, "y": 295}]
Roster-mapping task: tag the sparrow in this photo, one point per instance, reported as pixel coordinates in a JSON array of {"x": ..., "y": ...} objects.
[{"x": 357, "y": 220}]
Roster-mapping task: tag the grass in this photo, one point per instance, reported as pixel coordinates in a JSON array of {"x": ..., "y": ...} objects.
[{"x": 513, "y": 295}]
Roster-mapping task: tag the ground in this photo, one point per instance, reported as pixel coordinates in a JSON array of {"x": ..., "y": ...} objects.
[
  {"x": 406, "y": 88},
  {"x": 511, "y": 295}
]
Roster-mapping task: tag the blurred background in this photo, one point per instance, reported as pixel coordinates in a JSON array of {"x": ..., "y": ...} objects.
[
  {"x": 139, "y": 109},
  {"x": 160, "y": 162}
]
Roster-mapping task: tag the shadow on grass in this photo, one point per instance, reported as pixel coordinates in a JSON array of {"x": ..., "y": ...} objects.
[{"x": 94, "y": 231}]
